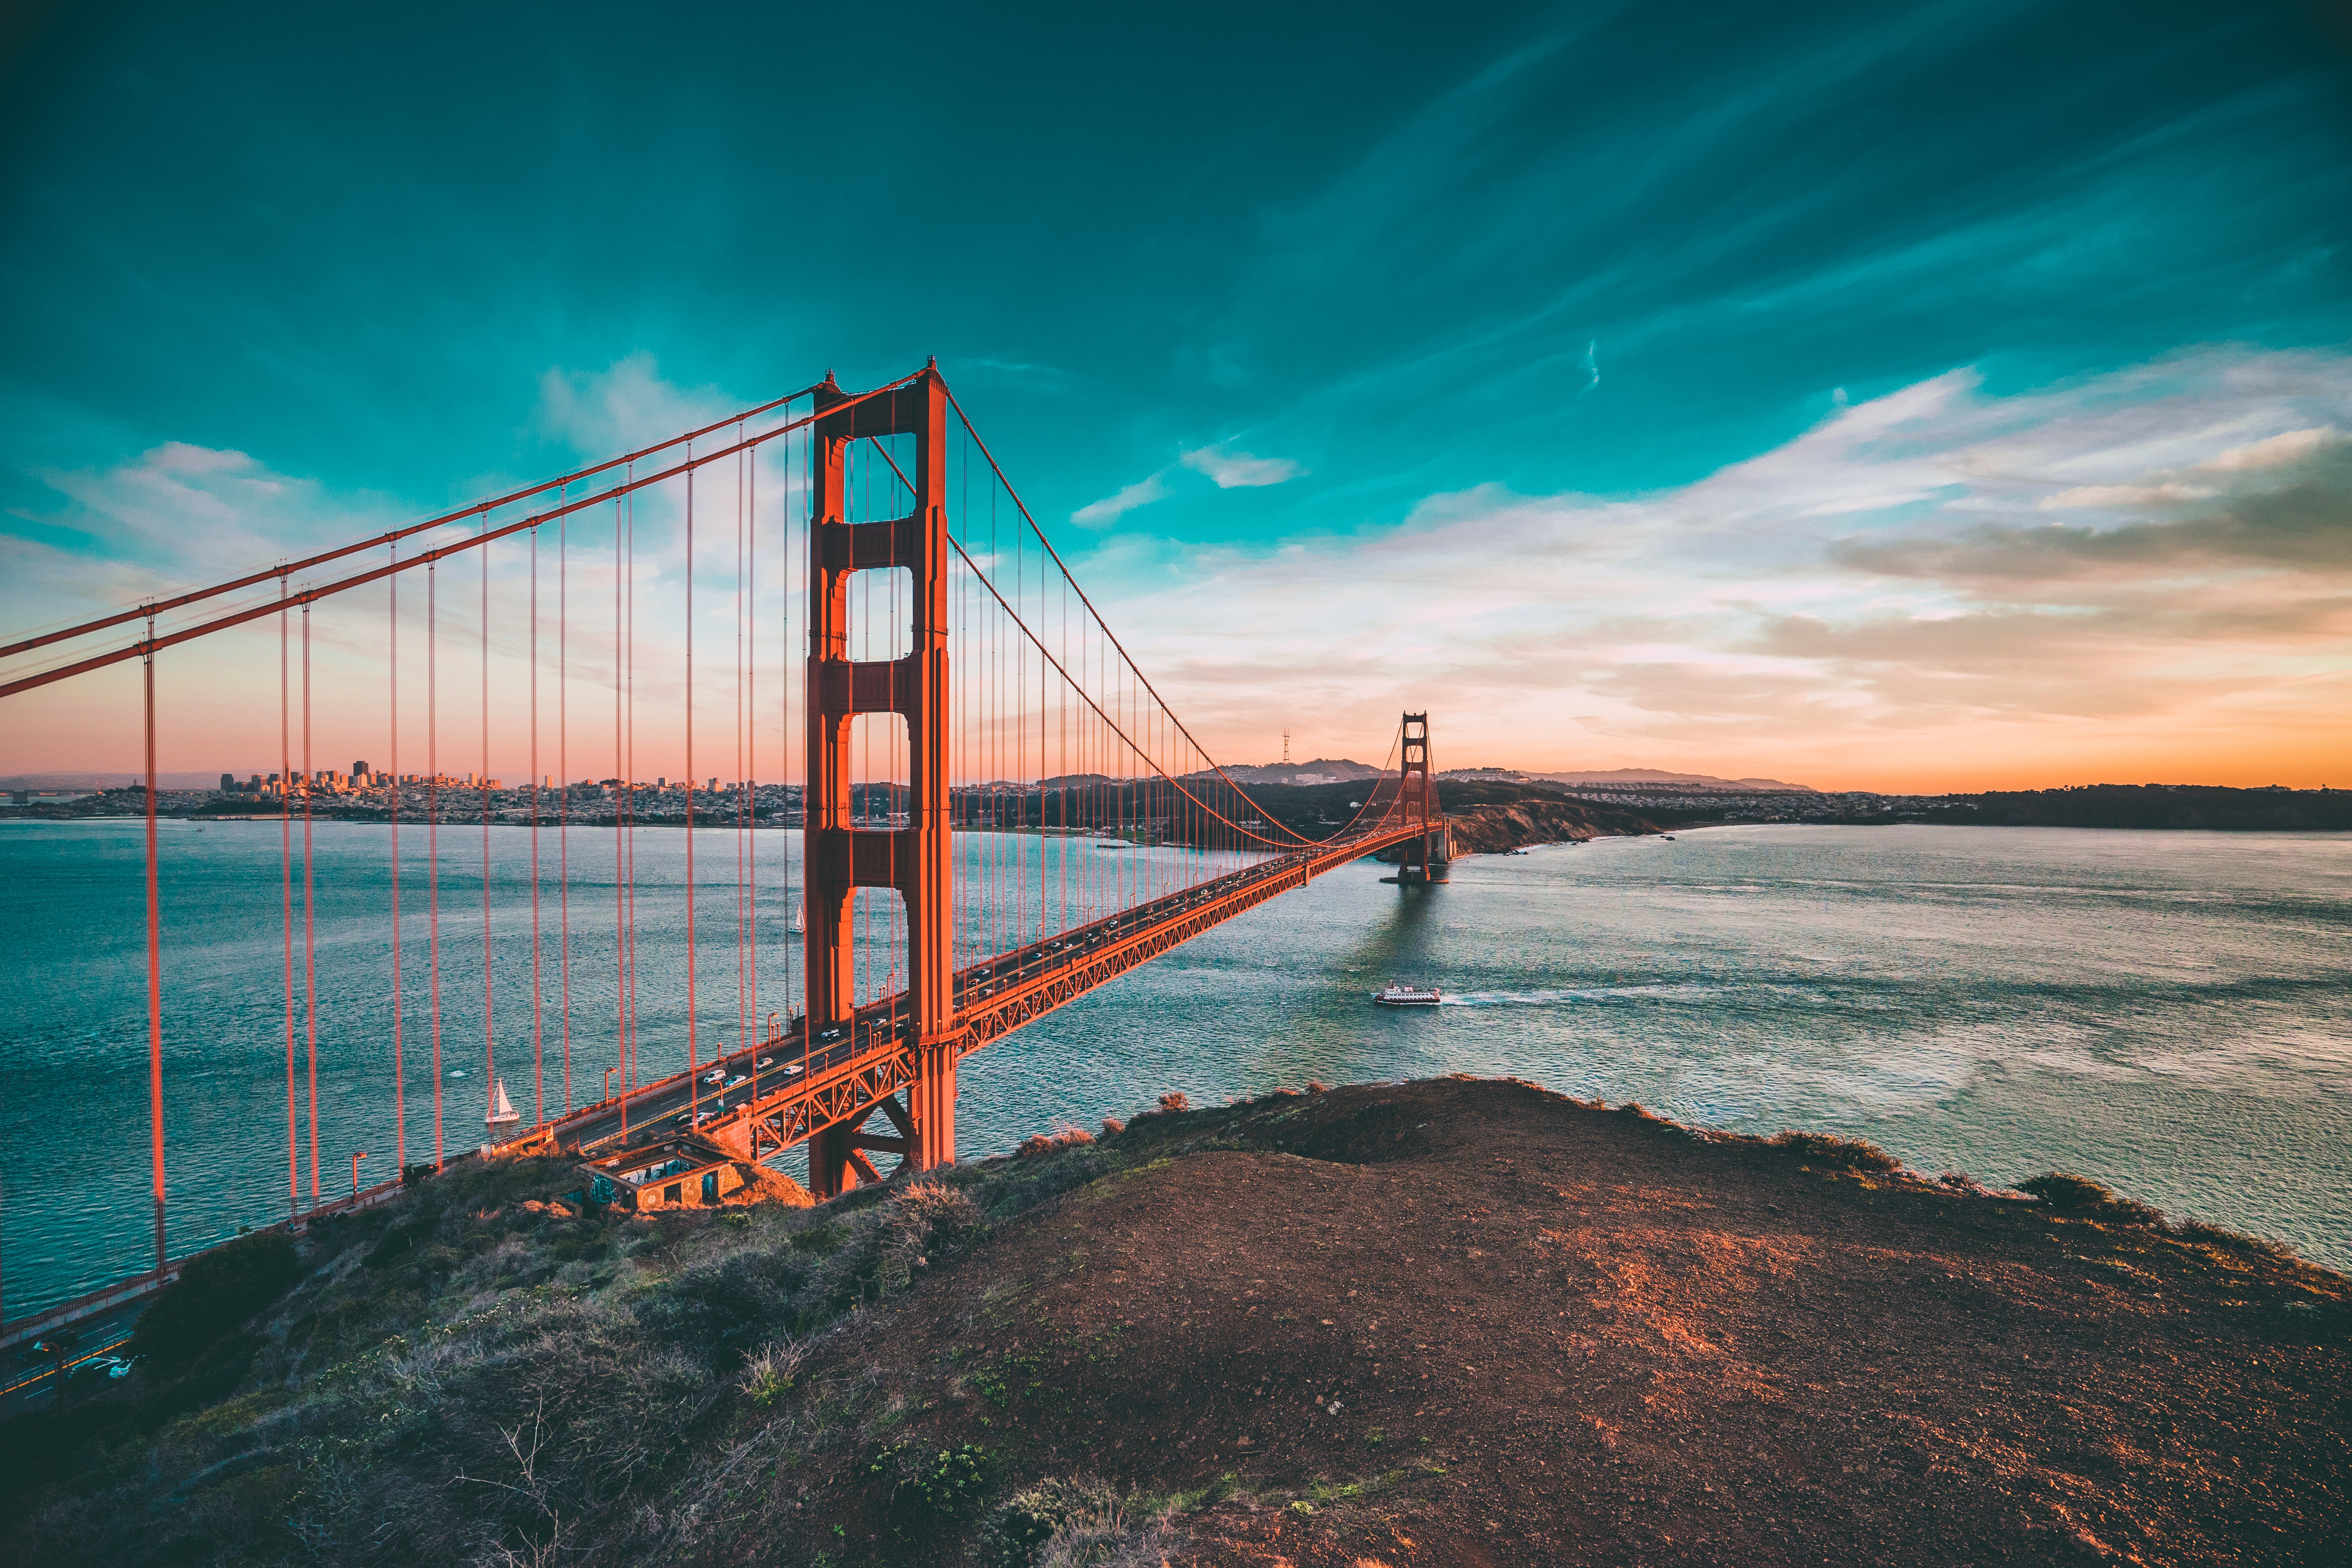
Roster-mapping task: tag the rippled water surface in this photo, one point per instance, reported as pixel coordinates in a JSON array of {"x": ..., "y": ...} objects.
[{"x": 2168, "y": 1012}]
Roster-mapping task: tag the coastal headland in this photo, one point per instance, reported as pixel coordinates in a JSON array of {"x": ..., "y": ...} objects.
[{"x": 1449, "y": 1322}]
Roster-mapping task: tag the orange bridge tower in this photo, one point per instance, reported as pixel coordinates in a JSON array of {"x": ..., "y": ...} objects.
[
  {"x": 914, "y": 860},
  {"x": 1428, "y": 858}
]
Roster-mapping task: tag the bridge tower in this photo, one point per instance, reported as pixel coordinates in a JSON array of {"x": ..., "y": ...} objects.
[
  {"x": 1429, "y": 857},
  {"x": 916, "y": 860}
]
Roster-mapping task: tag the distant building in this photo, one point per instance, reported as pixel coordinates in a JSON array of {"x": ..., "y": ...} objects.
[{"x": 228, "y": 784}]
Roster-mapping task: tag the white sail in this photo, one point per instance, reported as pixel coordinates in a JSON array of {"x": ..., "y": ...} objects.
[{"x": 501, "y": 1108}]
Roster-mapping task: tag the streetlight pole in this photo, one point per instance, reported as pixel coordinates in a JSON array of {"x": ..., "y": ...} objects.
[
  {"x": 355, "y": 1173},
  {"x": 608, "y": 1081}
]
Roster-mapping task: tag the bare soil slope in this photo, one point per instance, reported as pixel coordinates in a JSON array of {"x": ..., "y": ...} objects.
[{"x": 1474, "y": 1322}]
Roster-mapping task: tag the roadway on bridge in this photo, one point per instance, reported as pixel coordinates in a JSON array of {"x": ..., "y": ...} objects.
[{"x": 770, "y": 1076}]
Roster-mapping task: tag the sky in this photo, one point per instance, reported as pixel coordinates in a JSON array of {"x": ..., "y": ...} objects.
[{"x": 1906, "y": 397}]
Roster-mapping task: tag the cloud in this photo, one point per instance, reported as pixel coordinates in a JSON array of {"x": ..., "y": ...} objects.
[
  {"x": 1111, "y": 508},
  {"x": 622, "y": 408},
  {"x": 2171, "y": 492},
  {"x": 1240, "y": 471},
  {"x": 1231, "y": 470},
  {"x": 2283, "y": 514},
  {"x": 2292, "y": 446},
  {"x": 1887, "y": 592}
]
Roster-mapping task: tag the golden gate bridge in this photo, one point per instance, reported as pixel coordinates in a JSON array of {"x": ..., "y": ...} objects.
[{"x": 962, "y": 715}]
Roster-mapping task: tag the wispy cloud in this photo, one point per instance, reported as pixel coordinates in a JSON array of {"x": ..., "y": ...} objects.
[
  {"x": 1229, "y": 470},
  {"x": 1240, "y": 471},
  {"x": 1111, "y": 508}
]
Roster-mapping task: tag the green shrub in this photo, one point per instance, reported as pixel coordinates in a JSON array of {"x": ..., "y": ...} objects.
[
  {"x": 2079, "y": 1194},
  {"x": 821, "y": 1239},
  {"x": 214, "y": 1375},
  {"x": 215, "y": 1295},
  {"x": 2062, "y": 1191},
  {"x": 46, "y": 1445},
  {"x": 1844, "y": 1153},
  {"x": 1034, "y": 1515},
  {"x": 394, "y": 1244},
  {"x": 770, "y": 1373},
  {"x": 943, "y": 1483}
]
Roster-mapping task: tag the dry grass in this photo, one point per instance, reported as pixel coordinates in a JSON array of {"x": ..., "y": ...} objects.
[{"x": 477, "y": 1375}]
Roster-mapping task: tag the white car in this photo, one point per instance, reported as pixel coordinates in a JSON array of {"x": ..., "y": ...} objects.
[
  {"x": 764, "y": 1063},
  {"x": 736, "y": 1080},
  {"x": 716, "y": 1075}
]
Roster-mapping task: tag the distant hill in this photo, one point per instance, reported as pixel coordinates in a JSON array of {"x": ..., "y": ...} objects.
[
  {"x": 2163, "y": 806},
  {"x": 1321, "y": 771},
  {"x": 112, "y": 781},
  {"x": 1628, "y": 776}
]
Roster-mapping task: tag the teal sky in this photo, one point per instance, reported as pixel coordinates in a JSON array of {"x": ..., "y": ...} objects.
[{"x": 1346, "y": 284}]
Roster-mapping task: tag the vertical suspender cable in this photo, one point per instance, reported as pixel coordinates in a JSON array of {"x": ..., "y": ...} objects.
[
  {"x": 399, "y": 1074},
  {"x": 538, "y": 1020},
  {"x": 490, "y": 1038},
  {"x": 752, "y": 739},
  {"x": 563, "y": 800},
  {"x": 286, "y": 897},
  {"x": 155, "y": 970},
  {"x": 689, "y": 765},
  {"x": 620, "y": 901},
  {"x": 433, "y": 827},
  {"x": 310, "y": 944},
  {"x": 794, "y": 586},
  {"x": 742, "y": 799},
  {"x": 629, "y": 876}
]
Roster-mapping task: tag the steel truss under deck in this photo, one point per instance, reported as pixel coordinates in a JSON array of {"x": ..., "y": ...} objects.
[{"x": 840, "y": 1082}]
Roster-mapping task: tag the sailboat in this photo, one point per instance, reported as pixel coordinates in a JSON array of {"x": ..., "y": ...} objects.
[{"x": 502, "y": 1110}]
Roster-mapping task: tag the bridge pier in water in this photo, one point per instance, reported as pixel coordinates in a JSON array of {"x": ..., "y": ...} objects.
[{"x": 914, "y": 861}]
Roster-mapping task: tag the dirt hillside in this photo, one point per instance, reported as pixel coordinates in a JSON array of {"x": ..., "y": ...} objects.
[
  {"x": 1491, "y": 829},
  {"x": 1473, "y": 1323}
]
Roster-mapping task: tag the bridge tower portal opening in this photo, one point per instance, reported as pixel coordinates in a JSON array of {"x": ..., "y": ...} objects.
[{"x": 916, "y": 860}]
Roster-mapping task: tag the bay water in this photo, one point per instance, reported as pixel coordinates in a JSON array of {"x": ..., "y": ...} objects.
[{"x": 2165, "y": 1012}]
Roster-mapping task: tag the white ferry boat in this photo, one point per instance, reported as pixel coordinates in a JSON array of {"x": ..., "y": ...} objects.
[{"x": 1395, "y": 995}]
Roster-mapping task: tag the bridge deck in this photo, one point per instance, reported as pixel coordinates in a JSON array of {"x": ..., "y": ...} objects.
[{"x": 791, "y": 1086}]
